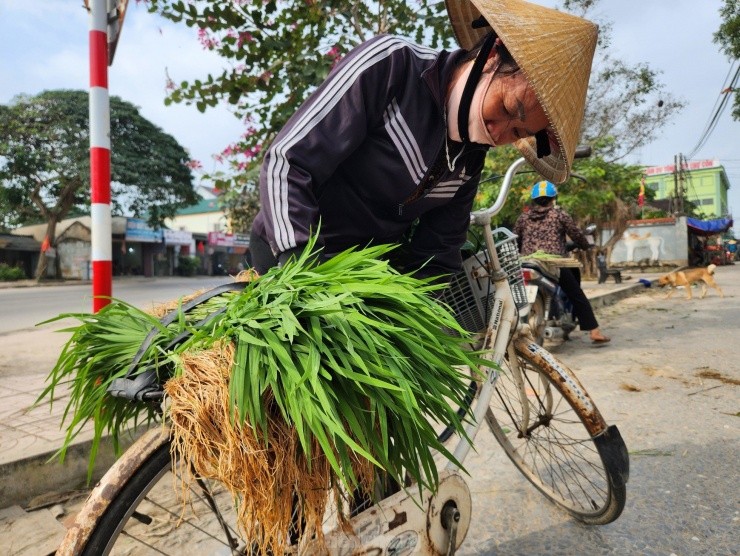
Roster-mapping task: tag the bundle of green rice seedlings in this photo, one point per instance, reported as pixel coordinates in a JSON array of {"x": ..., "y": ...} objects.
[
  {"x": 346, "y": 363},
  {"x": 100, "y": 349},
  {"x": 318, "y": 376}
]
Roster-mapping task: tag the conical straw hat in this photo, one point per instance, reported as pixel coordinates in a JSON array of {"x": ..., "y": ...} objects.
[{"x": 554, "y": 51}]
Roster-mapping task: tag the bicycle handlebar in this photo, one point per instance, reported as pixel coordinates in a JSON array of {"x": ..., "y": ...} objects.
[
  {"x": 483, "y": 216},
  {"x": 583, "y": 151}
]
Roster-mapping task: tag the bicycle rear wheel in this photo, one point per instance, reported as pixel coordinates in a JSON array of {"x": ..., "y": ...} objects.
[
  {"x": 147, "y": 515},
  {"x": 138, "y": 509},
  {"x": 554, "y": 434}
]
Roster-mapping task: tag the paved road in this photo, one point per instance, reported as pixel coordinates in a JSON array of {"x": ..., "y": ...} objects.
[
  {"x": 22, "y": 308},
  {"x": 669, "y": 380}
]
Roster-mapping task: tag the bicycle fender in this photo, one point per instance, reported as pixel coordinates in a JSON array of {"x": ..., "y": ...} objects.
[
  {"x": 614, "y": 452},
  {"x": 565, "y": 380},
  {"x": 108, "y": 488}
]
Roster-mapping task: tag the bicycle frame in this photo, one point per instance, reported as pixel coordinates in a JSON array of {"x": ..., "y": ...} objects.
[
  {"x": 440, "y": 535},
  {"x": 409, "y": 520},
  {"x": 503, "y": 321}
]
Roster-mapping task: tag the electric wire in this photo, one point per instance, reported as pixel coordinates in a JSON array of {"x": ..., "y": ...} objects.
[{"x": 720, "y": 106}]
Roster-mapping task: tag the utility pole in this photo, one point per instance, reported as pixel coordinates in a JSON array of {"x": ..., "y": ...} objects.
[
  {"x": 106, "y": 19},
  {"x": 678, "y": 185},
  {"x": 674, "y": 200}
]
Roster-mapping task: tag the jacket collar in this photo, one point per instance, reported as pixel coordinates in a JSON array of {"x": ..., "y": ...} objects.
[{"x": 438, "y": 75}]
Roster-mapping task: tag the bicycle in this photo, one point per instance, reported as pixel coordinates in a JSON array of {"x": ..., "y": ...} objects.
[{"x": 536, "y": 408}]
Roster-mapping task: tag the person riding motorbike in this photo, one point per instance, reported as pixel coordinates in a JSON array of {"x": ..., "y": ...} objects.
[{"x": 544, "y": 227}]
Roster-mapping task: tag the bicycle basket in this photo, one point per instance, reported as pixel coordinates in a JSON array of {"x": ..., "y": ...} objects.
[
  {"x": 511, "y": 264},
  {"x": 470, "y": 292}
]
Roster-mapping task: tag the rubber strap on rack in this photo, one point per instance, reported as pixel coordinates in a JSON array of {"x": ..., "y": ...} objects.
[{"x": 172, "y": 315}]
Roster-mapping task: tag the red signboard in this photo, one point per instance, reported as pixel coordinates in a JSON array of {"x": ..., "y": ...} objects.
[{"x": 692, "y": 165}]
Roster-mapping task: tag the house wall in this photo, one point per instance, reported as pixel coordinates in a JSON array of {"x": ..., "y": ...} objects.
[
  {"x": 705, "y": 185},
  {"x": 199, "y": 223},
  {"x": 74, "y": 259},
  {"x": 654, "y": 242}
]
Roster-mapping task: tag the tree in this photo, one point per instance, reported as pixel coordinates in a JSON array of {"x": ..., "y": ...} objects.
[
  {"x": 627, "y": 104},
  {"x": 728, "y": 38},
  {"x": 45, "y": 163},
  {"x": 279, "y": 52},
  {"x": 599, "y": 192}
]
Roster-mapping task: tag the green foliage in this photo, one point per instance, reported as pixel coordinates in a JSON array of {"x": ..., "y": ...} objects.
[
  {"x": 652, "y": 213},
  {"x": 45, "y": 161},
  {"x": 497, "y": 162},
  {"x": 187, "y": 266},
  {"x": 100, "y": 350},
  {"x": 728, "y": 38},
  {"x": 728, "y": 34},
  {"x": 274, "y": 55},
  {"x": 598, "y": 191},
  {"x": 278, "y": 53},
  {"x": 356, "y": 356},
  {"x": 11, "y": 273}
]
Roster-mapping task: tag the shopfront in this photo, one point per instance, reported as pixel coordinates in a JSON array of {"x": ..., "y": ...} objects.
[
  {"x": 228, "y": 253},
  {"x": 178, "y": 243},
  {"x": 143, "y": 250}
]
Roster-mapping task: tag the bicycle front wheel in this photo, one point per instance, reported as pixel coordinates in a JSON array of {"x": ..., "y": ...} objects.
[{"x": 554, "y": 434}]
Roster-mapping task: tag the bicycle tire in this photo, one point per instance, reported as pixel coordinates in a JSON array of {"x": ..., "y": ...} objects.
[
  {"x": 567, "y": 450},
  {"x": 536, "y": 319},
  {"x": 138, "y": 509},
  {"x": 146, "y": 516}
]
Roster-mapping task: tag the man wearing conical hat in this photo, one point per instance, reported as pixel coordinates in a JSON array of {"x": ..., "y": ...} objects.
[{"x": 389, "y": 149}]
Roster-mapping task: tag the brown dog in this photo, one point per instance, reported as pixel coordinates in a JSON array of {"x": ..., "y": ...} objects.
[{"x": 685, "y": 278}]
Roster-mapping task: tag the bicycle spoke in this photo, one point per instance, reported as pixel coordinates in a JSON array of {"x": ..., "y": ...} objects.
[
  {"x": 187, "y": 521},
  {"x": 140, "y": 541},
  {"x": 553, "y": 449}
]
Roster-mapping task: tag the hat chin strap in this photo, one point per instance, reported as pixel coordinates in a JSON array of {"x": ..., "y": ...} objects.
[
  {"x": 476, "y": 127},
  {"x": 471, "y": 84}
]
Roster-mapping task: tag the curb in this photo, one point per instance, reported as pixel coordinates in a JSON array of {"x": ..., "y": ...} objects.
[
  {"x": 35, "y": 284},
  {"x": 609, "y": 298},
  {"x": 23, "y": 480}
]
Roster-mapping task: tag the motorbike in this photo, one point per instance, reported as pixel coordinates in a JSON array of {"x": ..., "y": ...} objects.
[{"x": 550, "y": 315}]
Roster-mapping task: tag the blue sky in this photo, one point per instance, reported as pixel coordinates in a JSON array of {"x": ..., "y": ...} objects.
[{"x": 45, "y": 46}]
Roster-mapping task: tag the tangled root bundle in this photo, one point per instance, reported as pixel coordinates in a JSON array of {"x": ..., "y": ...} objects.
[{"x": 274, "y": 488}]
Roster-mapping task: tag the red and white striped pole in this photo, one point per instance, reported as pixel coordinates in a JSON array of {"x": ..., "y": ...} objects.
[{"x": 101, "y": 232}]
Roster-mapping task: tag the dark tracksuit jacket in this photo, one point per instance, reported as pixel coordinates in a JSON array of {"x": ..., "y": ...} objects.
[{"x": 365, "y": 156}]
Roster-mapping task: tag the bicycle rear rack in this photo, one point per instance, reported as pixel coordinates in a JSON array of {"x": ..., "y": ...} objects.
[{"x": 144, "y": 384}]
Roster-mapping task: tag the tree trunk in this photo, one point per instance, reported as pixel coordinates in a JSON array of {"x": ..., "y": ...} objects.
[
  {"x": 619, "y": 226},
  {"x": 43, "y": 263}
]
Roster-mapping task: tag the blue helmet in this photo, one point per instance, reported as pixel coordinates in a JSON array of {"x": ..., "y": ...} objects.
[{"x": 544, "y": 189}]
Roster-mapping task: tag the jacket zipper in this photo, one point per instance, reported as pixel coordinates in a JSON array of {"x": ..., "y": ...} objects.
[{"x": 427, "y": 183}]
